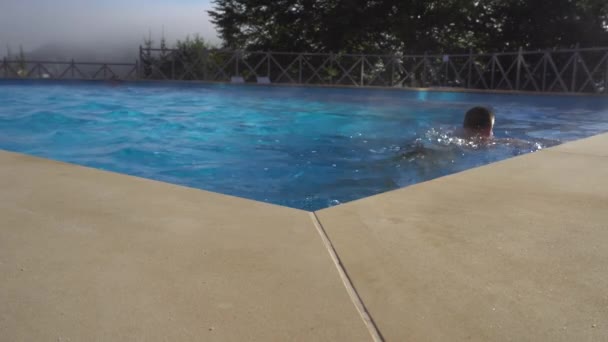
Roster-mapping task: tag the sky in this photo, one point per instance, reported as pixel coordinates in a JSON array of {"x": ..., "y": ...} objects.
[{"x": 97, "y": 23}]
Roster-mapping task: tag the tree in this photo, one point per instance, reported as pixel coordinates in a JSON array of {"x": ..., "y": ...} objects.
[
  {"x": 544, "y": 24},
  {"x": 163, "y": 47},
  {"x": 189, "y": 57},
  {"x": 409, "y": 25},
  {"x": 21, "y": 63},
  {"x": 184, "y": 61},
  {"x": 147, "y": 59}
]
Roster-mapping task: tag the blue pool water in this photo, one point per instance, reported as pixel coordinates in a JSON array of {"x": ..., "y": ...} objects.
[{"x": 306, "y": 148}]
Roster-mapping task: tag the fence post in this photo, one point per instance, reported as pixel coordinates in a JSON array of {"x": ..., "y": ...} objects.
[
  {"x": 392, "y": 80},
  {"x": 236, "y": 62},
  {"x": 470, "y": 73},
  {"x": 5, "y": 63},
  {"x": 606, "y": 79},
  {"x": 493, "y": 71},
  {"x": 413, "y": 74},
  {"x": 72, "y": 66},
  {"x": 300, "y": 69},
  {"x": 331, "y": 67},
  {"x": 518, "y": 75},
  {"x": 148, "y": 70},
  {"x": 268, "y": 64},
  {"x": 545, "y": 60},
  {"x": 136, "y": 69},
  {"x": 424, "y": 71},
  {"x": 205, "y": 64},
  {"x": 362, "y": 69},
  {"x": 172, "y": 68},
  {"x": 574, "y": 67},
  {"x": 446, "y": 61},
  {"x": 141, "y": 53}
]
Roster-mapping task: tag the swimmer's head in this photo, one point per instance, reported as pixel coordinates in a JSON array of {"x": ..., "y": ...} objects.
[{"x": 479, "y": 121}]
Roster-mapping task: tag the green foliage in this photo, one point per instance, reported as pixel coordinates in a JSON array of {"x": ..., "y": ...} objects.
[
  {"x": 185, "y": 58},
  {"x": 540, "y": 24},
  {"x": 163, "y": 48},
  {"x": 147, "y": 55},
  {"x": 190, "y": 55},
  {"x": 409, "y": 25},
  {"x": 197, "y": 43}
]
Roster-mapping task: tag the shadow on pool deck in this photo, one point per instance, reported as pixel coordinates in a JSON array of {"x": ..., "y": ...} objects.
[{"x": 509, "y": 251}]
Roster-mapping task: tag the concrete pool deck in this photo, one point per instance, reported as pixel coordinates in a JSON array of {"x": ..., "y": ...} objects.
[{"x": 512, "y": 251}]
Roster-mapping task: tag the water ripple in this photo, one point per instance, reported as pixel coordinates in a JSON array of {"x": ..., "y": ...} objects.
[{"x": 300, "y": 147}]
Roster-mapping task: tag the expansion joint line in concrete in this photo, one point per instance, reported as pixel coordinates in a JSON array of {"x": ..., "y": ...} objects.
[{"x": 352, "y": 292}]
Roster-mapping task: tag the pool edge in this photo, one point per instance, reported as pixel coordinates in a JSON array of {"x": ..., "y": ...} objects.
[
  {"x": 577, "y": 148},
  {"x": 424, "y": 258}
]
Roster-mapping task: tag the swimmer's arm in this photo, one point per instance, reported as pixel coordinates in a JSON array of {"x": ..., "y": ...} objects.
[
  {"x": 421, "y": 152},
  {"x": 414, "y": 150},
  {"x": 523, "y": 144}
]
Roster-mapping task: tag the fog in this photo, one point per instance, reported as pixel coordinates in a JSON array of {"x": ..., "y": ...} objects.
[{"x": 99, "y": 29}]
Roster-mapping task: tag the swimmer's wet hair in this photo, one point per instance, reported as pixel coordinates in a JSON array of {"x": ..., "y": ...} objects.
[{"x": 479, "y": 118}]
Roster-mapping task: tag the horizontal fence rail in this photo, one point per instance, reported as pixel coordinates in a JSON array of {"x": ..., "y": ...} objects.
[
  {"x": 67, "y": 70},
  {"x": 579, "y": 70},
  {"x": 583, "y": 70}
]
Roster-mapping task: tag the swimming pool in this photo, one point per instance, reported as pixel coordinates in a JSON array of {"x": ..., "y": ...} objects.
[{"x": 306, "y": 148}]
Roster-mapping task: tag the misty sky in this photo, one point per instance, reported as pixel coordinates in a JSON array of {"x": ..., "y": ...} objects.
[{"x": 34, "y": 23}]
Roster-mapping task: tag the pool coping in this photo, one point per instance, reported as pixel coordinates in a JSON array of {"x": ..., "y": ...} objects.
[
  {"x": 359, "y": 290},
  {"x": 369, "y": 234}
]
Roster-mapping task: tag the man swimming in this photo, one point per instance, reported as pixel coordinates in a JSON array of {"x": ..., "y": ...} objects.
[
  {"x": 476, "y": 129},
  {"x": 476, "y": 132},
  {"x": 478, "y": 123}
]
